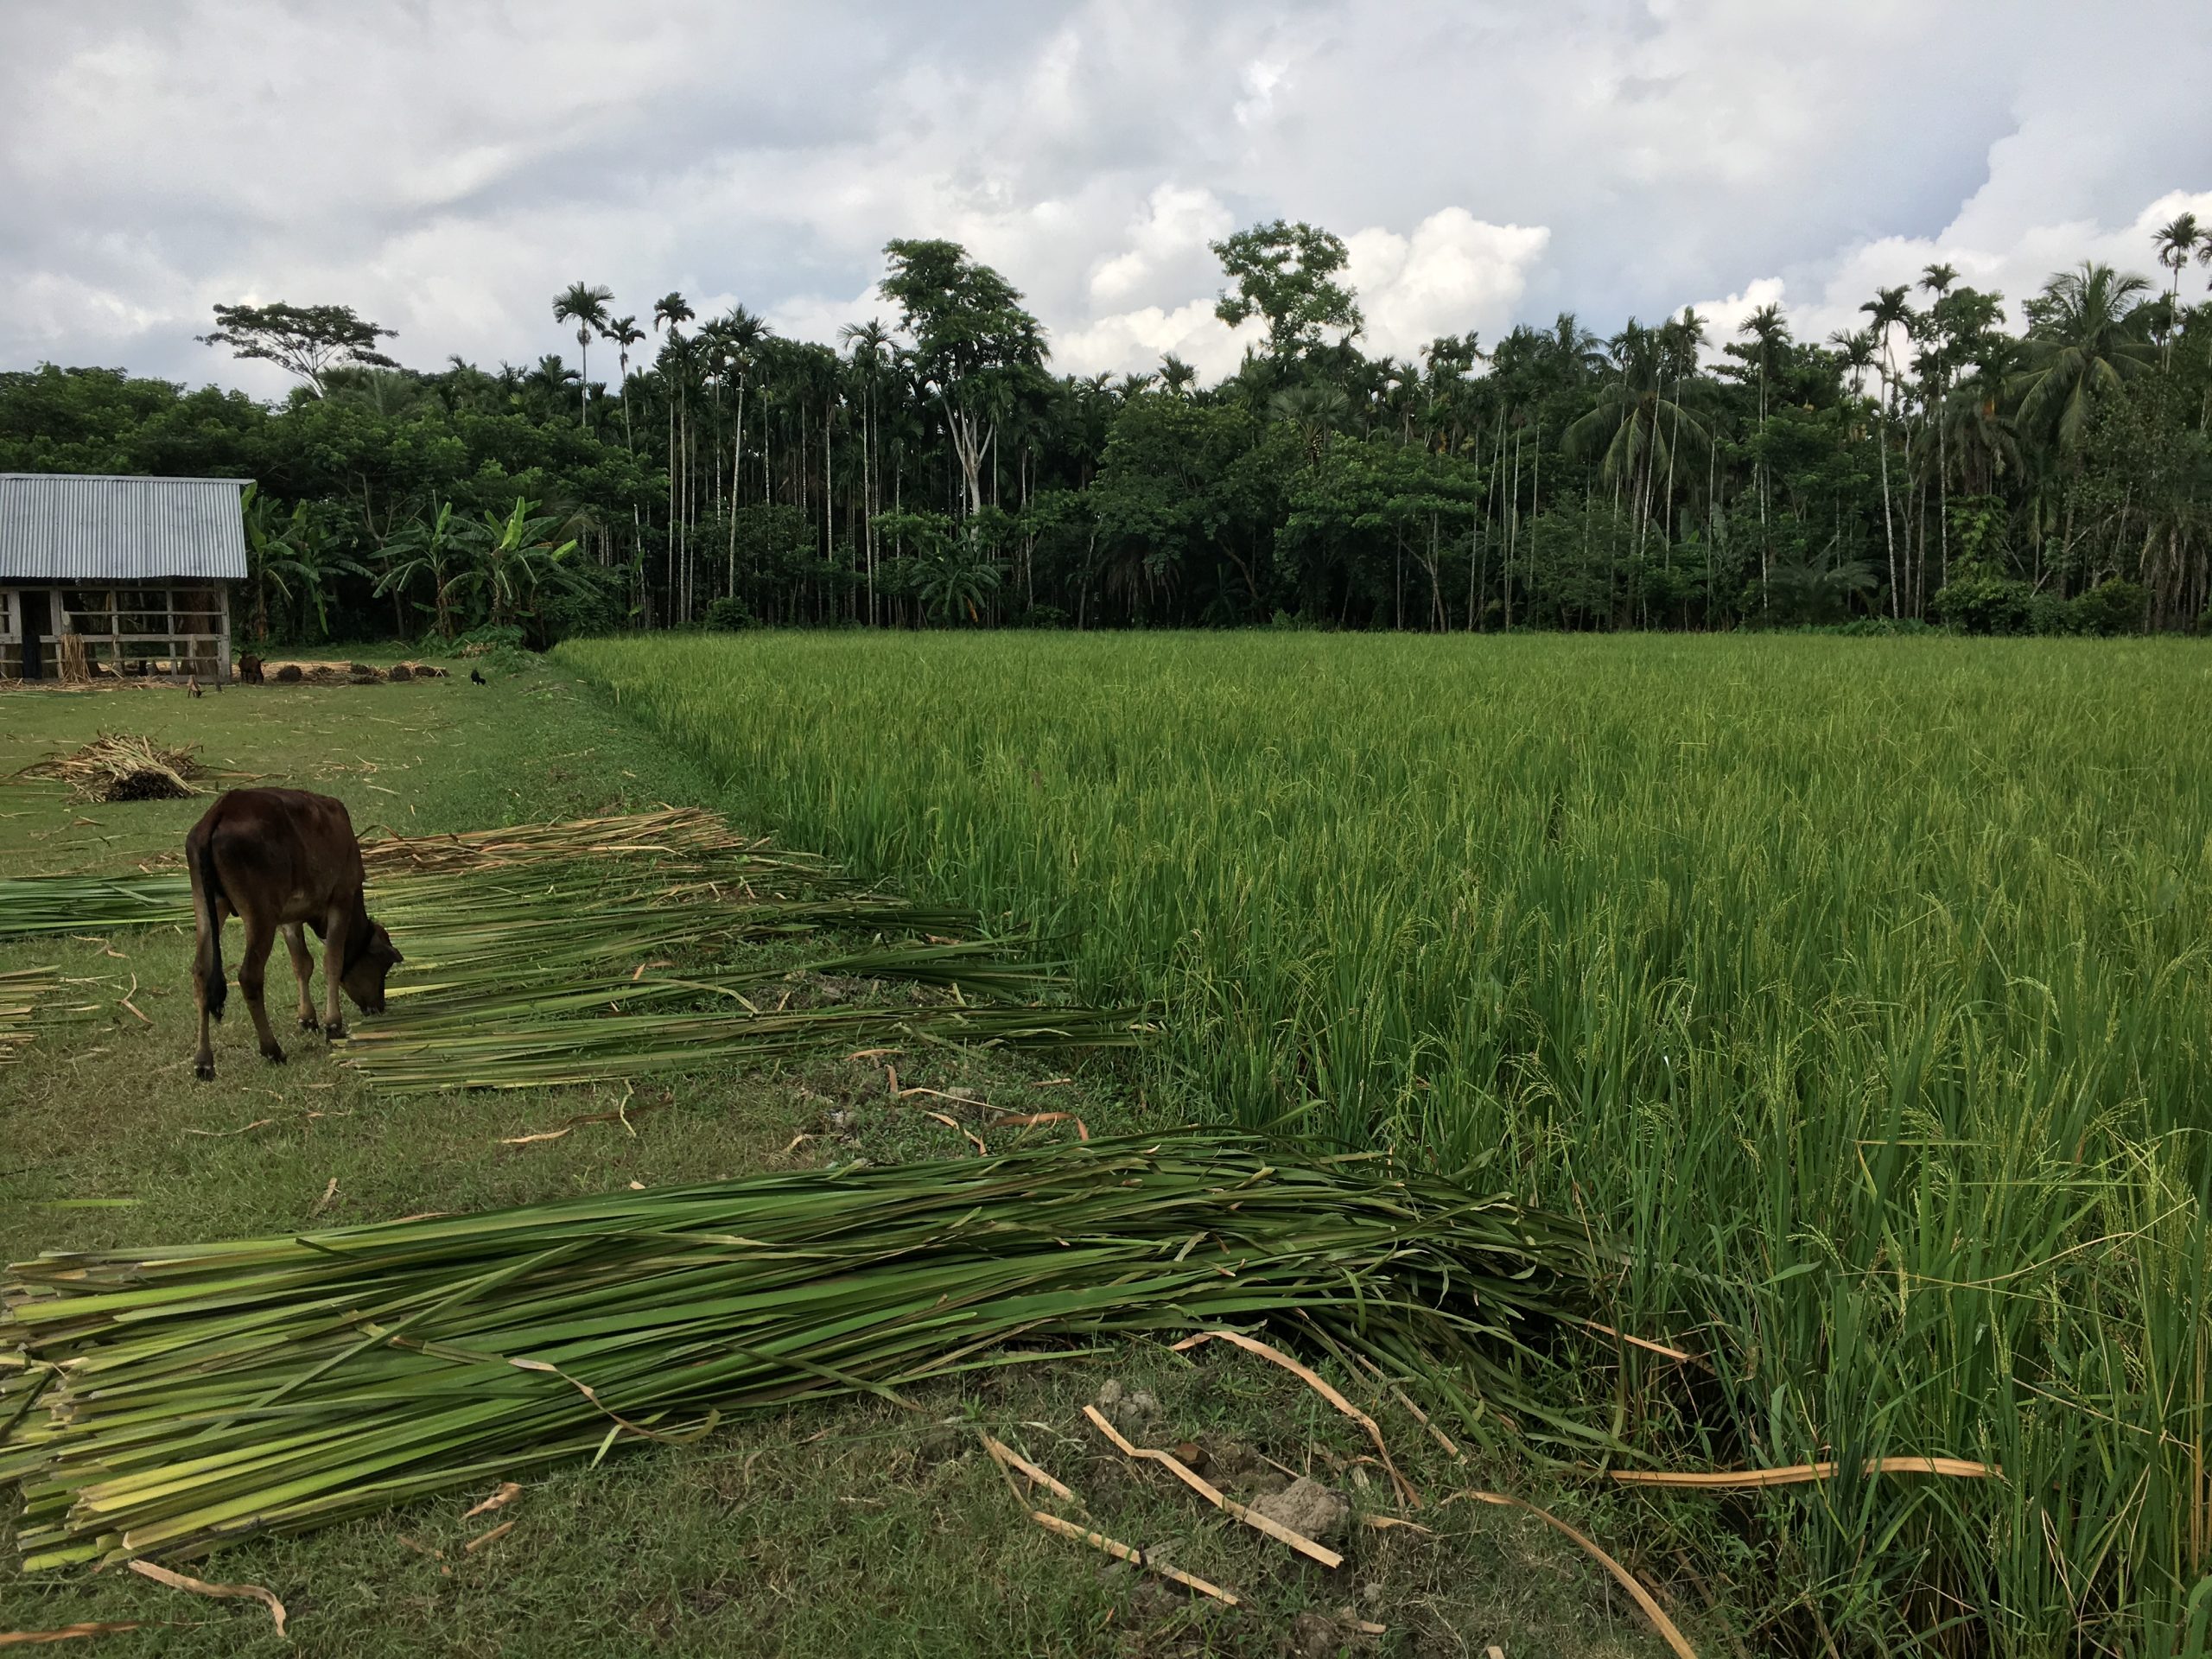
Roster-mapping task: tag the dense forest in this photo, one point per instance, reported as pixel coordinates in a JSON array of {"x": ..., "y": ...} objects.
[{"x": 1946, "y": 464}]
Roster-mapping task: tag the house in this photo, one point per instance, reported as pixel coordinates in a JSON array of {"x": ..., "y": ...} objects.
[{"x": 138, "y": 570}]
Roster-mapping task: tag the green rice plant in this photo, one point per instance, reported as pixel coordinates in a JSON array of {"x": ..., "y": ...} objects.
[
  {"x": 161, "y": 1401},
  {"x": 1859, "y": 986}
]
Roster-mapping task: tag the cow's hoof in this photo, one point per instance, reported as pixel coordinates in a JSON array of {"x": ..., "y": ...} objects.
[
  {"x": 335, "y": 1032},
  {"x": 274, "y": 1054},
  {"x": 308, "y": 1022},
  {"x": 204, "y": 1070}
]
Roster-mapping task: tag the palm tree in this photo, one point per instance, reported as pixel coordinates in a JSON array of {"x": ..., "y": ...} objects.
[
  {"x": 961, "y": 575},
  {"x": 1768, "y": 333},
  {"x": 670, "y": 311},
  {"x": 624, "y": 333},
  {"x": 2175, "y": 242},
  {"x": 1937, "y": 279},
  {"x": 1316, "y": 410},
  {"x": 1635, "y": 427},
  {"x": 550, "y": 378},
  {"x": 872, "y": 349},
  {"x": 1889, "y": 309},
  {"x": 1176, "y": 375},
  {"x": 1574, "y": 347},
  {"x": 2085, "y": 339},
  {"x": 1985, "y": 442},
  {"x": 586, "y": 306},
  {"x": 1855, "y": 348}
]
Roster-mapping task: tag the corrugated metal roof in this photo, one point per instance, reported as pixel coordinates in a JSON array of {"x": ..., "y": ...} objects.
[{"x": 95, "y": 527}]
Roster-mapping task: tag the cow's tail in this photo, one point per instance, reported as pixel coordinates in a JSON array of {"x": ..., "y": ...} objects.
[{"x": 213, "y": 988}]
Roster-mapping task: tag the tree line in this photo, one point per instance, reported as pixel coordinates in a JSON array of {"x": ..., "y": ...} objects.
[{"x": 1942, "y": 463}]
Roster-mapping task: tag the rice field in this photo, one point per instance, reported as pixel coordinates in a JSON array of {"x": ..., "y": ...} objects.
[{"x": 1858, "y": 989}]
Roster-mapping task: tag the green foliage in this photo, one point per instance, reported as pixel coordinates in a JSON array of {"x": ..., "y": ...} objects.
[
  {"x": 2109, "y": 608},
  {"x": 728, "y": 615},
  {"x": 1976, "y": 601},
  {"x": 1630, "y": 482},
  {"x": 1287, "y": 275},
  {"x": 308, "y": 341},
  {"x": 2087, "y": 339},
  {"x": 1858, "y": 984}
]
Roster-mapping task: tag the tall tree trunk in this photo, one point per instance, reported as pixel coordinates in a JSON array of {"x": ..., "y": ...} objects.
[
  {"x": 736, "y": 473},
  {"x": 1888, "y": 529},
  {"x": 1512, "y": 533},
  {"x": 669, "y": 553},
  {"x": 1766, "y": 538}
]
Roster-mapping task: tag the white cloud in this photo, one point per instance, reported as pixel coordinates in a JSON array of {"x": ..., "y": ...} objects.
[
  {"x": 1833, "y": 291},
  {"x": 1172, "y": 236},
  {"x": 446, "y": 169},
  {"x": 1453, "y": 273},
  {"x": 1135, "y": 341}
]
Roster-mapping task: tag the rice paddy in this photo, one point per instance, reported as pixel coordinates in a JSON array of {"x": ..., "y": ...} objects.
[{"x": 1859, "y": 986}]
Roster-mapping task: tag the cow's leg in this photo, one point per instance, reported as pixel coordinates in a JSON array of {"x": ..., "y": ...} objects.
[
  {"x": 206, "y": 981},
  {"x": 260, "y": 938},
  {"x": 335, "y": 928},
  {"x": 303, "y": 969}
]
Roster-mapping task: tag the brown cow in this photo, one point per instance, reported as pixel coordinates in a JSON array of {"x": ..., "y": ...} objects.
[{"x": 279, "y": 858}]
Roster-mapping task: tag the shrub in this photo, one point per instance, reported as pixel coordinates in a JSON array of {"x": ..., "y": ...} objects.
[
  {"x": 1863, "y": 628},
  {"x": 594, "y": 600},
  {"x": 728, "y": 615},
  {"x": 1975, "y": 602},
  {"x": 2110, "y": 607}
]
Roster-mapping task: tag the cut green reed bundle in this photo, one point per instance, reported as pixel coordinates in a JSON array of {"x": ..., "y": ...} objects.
[
  {"x": 673, "y": 852},
  {"x": 33, "y": 905},
  {"x": 164, "y": 1401},
  {"x": 592, "y": 950}
]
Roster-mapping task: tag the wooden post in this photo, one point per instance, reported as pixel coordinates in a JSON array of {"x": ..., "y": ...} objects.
[{"x": 223, "y": 634}]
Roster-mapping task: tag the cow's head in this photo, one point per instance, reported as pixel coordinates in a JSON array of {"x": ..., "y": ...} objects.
[{"x": 364, "y": 980}]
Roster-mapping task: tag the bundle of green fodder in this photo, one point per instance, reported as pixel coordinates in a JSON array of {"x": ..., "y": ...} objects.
[
  {"x": 165, "y": 1400},
  {"x": 597, "y": 949},
  {"x": 675, "y": 842}
]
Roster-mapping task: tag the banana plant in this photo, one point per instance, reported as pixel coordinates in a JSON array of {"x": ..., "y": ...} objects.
[
  {"x": 514, "y": 557},
  {"x": 434, "y": 548}
]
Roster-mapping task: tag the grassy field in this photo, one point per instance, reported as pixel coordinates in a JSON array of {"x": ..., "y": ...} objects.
[
  {"x": 1859, "y": 986},
  {"x": 847, "y": 1530}
]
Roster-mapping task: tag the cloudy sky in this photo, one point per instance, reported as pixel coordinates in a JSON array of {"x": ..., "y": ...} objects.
[{"x": 444, "y": 167}]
